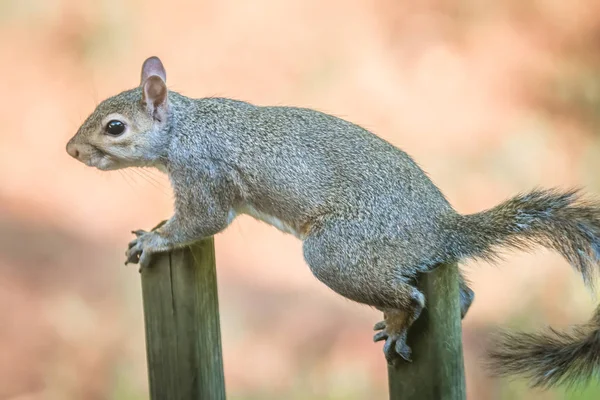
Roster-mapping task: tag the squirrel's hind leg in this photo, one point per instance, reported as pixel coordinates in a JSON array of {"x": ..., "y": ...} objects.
[
  {"x": 375, "y": 273},
  {"x": 370, "y": 274}
]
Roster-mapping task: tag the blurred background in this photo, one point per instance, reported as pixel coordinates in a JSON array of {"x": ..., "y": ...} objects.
[{"x": 491, "y": 98}]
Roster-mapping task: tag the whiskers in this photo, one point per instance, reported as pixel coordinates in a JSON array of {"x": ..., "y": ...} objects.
[
  {"x": 147, "y": 175},
  {"x": 126, "y": 178},
  {"x": 131, "y": 175},
  {"x": 135, "y": 171}
]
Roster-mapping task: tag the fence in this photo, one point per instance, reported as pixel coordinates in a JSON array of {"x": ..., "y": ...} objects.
[{"x": 183, "y": 339}]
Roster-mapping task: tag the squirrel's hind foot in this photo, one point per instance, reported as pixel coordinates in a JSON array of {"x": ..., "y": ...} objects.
[{"x": 393, "y": 331}]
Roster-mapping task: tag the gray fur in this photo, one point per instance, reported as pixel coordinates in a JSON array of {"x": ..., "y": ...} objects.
[{"x": 370, "y": 218}]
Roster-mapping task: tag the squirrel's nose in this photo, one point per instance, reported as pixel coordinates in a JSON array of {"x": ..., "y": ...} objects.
[{"x": 72, "y": 150}]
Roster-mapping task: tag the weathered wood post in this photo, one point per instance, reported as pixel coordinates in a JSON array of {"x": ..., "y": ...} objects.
[
  {"x": 437, "y": 369},
  {"x": 181, "y": 313}
]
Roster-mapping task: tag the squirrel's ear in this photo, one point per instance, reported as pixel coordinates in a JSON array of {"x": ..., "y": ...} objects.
[
  {"x": 154, "y": 96},
  {"x": 153, "y": 66},
  {"x": 154, "y": 88}
]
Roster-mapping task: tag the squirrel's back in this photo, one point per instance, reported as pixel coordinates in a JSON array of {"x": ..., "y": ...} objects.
[{"x": 291, "y": 149}]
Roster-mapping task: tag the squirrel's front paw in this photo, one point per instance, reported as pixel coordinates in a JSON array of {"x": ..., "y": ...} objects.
[
  {"x": 143, "y": 246},
  {"x": 395, "y": 341}
]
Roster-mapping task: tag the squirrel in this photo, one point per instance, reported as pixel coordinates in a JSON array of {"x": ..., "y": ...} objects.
[{"x": 369, "y": 217}]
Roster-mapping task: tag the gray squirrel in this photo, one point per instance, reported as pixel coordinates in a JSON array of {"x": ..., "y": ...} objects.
[{"x": 369, "y": 217}]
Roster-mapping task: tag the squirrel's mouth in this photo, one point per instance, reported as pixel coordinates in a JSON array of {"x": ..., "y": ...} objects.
[
  {"x": 100, "y": 159},
  {"x": 104, "y": 163}
]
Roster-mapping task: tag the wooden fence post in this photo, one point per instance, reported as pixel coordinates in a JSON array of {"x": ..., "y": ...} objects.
[
  {"x": 437, "y": 369},
  {"x": 181, "y": 313}
]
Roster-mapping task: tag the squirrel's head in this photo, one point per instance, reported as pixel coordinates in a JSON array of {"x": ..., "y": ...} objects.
[{"x": 129, "y": 129}]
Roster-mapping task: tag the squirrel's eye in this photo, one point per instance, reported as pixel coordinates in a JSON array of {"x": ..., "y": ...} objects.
[{"x": 115, "y": 127}]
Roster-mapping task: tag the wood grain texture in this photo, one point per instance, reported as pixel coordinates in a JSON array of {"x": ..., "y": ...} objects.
[
  {"x": 437, "y": 369},
  {"x": 181, "y": 313}
]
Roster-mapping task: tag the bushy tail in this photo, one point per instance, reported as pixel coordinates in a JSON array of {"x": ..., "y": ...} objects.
[
  {"x": 561, "y": 221},
  {"x": 549, "y": 358}
]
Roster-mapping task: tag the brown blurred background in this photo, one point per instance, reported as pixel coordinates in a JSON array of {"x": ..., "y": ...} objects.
[{"x": 490, "y": 97}]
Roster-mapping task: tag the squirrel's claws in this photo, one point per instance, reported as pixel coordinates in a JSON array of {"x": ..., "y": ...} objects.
[
  {"x": 145, "y": 258},
  {"x": 160, "y": 224},
  {"x": 133, "y": 252},
  {"x": 379, "y": 336},
  {"x": 140, "y": 250},
  {"x": 395, "y": 343},
  {"x": 135, "y": 248},
  {"x": 132, "y": 258},
  {"x": 389, "y": 351},
  {"x": 379, "y": 326},
  {"x": 396, "y": 346},
  {"x": 403, "y": 350}
]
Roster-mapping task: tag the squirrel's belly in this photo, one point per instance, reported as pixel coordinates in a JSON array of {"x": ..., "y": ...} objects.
[{"x": 269, "y": 219}]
